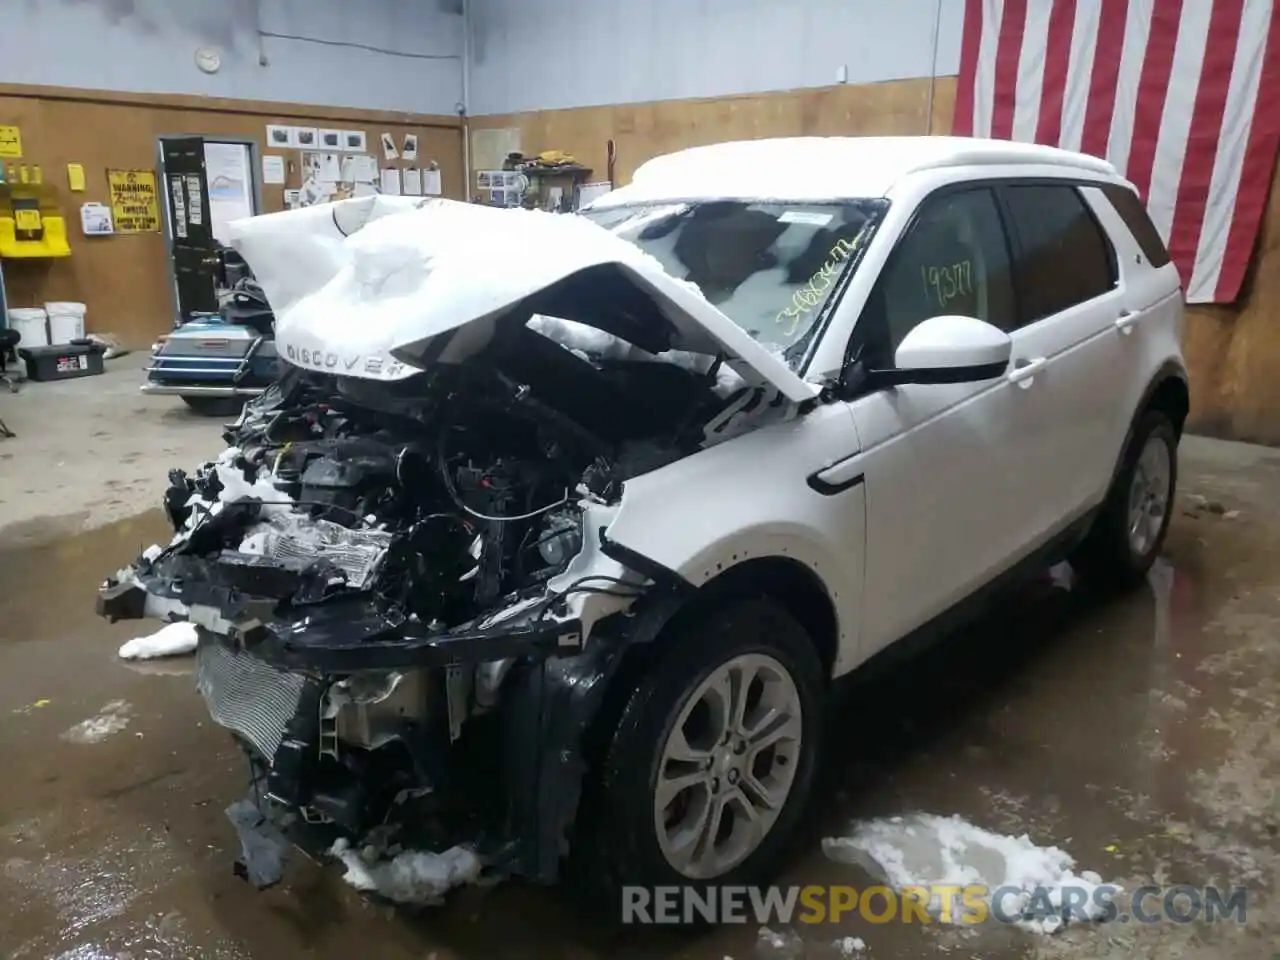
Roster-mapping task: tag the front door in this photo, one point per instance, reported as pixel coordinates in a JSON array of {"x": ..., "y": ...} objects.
[
  {"x": 941, "y": 462},
  {"x": 192, "y": 246}
]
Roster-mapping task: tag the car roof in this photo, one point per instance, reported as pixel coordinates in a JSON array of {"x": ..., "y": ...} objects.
[{"x": 825, "y": 168}]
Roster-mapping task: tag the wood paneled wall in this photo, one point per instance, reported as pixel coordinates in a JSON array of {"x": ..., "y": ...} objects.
[
  {"x": 1233, "y": 352},
  {"x": 644, "y": 130},
  {"x": 124, "y": 280}
]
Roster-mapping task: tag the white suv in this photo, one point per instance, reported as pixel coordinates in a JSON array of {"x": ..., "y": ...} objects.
[{"x": 557, "y": 530}]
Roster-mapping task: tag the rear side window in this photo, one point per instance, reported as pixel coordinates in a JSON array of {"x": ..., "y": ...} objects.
[
  {"x": 1066, "y": 259},
  {"x": 1129, "y": 205}
]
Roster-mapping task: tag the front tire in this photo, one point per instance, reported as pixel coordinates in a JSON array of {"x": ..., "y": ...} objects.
[
  {"x": 1129, "y": 532},
  {"x": 711, "y": 765}
]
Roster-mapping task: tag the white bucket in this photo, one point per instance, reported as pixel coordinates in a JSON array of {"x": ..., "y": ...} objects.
[
  {"x": 66, "y": 321},
  {"x": 30, "y": 324}
]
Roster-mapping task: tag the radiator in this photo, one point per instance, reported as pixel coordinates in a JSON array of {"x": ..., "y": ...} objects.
[{"x": 247, "y": 696}]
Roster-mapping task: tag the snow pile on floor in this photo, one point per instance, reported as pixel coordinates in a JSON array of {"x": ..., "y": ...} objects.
[
  {"x": 849, "y": 946},
  {"x": 414, "y": 876},
  {"x": 171, "y": 640},
  {"x": 779, "y": 945},
  {"x": 931, "y": 851},
  {"x": 111, "y": 719}
]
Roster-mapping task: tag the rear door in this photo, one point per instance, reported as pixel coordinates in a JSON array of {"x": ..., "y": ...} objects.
[
  {"x": 1150, "y": 323},
  {"x": 192, "y": 246},
  {"x": 1067, "y": 348}
]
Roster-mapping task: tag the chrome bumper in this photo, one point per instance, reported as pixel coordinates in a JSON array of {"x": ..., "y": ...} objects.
[{"x": 196, "y": 390}]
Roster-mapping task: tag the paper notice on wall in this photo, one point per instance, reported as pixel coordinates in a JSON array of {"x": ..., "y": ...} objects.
[
  {"x": 135, "y": 201},
  {"x": 431, "y": 183},
  {"x": 280, "y": 136},
  {"x": 389, "y": 150},
  {"x": 412, "y": 182},
  {"x": 272, "y": 169},
  {"x": 179, "y": 207},
  {"x": 359, "y": 168},
  {"x": 391, "y": 181},
  {"x": 10, "y": 142},
  {"x": 293, "y": 199},
  {"x": 195, "y": 200},
  {"x": 315, "y": 191},
  {"x": 95, "y": 220},
  {"x": 410, "y": 149},
  {"x": 321, "y": 166}
]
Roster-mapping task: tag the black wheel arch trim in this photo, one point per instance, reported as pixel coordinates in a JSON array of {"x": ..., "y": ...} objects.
[
  {"x": 1169, "y": 370},
  {"x": 660, "y": 574}
]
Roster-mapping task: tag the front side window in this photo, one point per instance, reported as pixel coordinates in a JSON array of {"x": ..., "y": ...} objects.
[
  {"x": 1066, "y": 259},
  {"x": 954, "y": 259},
  {"x": 772, "y": 268}
]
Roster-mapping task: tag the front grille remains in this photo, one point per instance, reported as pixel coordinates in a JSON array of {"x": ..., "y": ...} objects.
[{"x": 247, "y": 696}]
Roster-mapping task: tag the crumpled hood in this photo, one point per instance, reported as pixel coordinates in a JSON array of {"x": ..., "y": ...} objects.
[{"x": 361, "y": 287}]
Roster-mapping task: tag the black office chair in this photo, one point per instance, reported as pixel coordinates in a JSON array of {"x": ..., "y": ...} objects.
[
  {"x": 9, "y": 340},
  {"x": 8, "y": 354}
]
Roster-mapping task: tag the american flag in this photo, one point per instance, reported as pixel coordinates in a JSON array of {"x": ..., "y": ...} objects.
[{"x": 1183, "y": 96}]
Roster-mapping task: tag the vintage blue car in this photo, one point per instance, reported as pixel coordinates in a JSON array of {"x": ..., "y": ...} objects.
[{"x": 215, "y": 362}]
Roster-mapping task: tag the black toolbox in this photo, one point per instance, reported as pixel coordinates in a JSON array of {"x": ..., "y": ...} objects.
[{"x": 65, "y": 361}]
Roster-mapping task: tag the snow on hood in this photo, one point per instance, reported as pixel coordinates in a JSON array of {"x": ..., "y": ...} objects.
[{"x": 361, "y": 286}]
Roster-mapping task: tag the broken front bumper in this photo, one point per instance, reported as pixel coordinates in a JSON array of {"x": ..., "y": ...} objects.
[
  {"x": 336, "y": 636},
  {"x": 265, "y": 670}
]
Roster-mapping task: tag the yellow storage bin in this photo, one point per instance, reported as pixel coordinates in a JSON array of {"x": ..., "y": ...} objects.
[{"x": 52, "y": 244}]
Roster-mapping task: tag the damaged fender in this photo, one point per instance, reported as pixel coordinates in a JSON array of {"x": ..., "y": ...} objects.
[{"x": 750, "y": 500}]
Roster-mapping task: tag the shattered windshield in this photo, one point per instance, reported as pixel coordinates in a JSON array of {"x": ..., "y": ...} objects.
[{"x": 770, "y": 267}]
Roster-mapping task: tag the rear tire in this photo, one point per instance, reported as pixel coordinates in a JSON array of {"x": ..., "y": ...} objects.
[
  {"x": 1129, "y": 532},
  {"x": 215, "y": 406},
  {"x": 726, "y": 812}
]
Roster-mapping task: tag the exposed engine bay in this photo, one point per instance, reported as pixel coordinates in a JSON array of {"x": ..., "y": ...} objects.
[{"x": 405, "y": 592}]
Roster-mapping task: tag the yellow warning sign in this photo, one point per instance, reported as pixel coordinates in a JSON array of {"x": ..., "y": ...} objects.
[
  {"x": 134, "y": 205},
  {"x": 10, "y": 142}
]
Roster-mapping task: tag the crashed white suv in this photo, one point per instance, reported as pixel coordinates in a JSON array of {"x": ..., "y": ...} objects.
[{"x": 557, "y": 529}]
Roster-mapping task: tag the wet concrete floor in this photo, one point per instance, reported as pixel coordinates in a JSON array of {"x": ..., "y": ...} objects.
[{"x": 1139, "y": 734}]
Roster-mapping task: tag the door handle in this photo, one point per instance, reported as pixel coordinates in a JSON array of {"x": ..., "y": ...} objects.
[
  {"x": 1126, "y": 320},
  {"x": 1024, "y": 370}
]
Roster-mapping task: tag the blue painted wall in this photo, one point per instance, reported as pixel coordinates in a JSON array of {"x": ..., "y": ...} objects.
[
  {"x": 379, "y": 54},
  {"x": 550, "y": 54}
]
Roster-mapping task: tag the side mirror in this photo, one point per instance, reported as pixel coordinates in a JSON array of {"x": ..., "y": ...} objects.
[{"x": 949, "y": 349}]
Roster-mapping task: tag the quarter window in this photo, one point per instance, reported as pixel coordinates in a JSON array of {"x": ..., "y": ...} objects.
[
  {"x": 1066, "y": 259},
  {"x": 1129, "y": 205},
  {"x": 953, "y": 260}
]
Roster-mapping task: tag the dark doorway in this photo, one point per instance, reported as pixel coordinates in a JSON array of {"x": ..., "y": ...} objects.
[{"x": 192, "y": 246}]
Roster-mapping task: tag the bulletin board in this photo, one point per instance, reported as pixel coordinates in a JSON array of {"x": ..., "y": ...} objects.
[{"x": 124, "y": 280}]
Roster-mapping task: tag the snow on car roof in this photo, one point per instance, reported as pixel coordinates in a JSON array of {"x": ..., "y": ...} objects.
[{"x": 823, "y": 168}]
